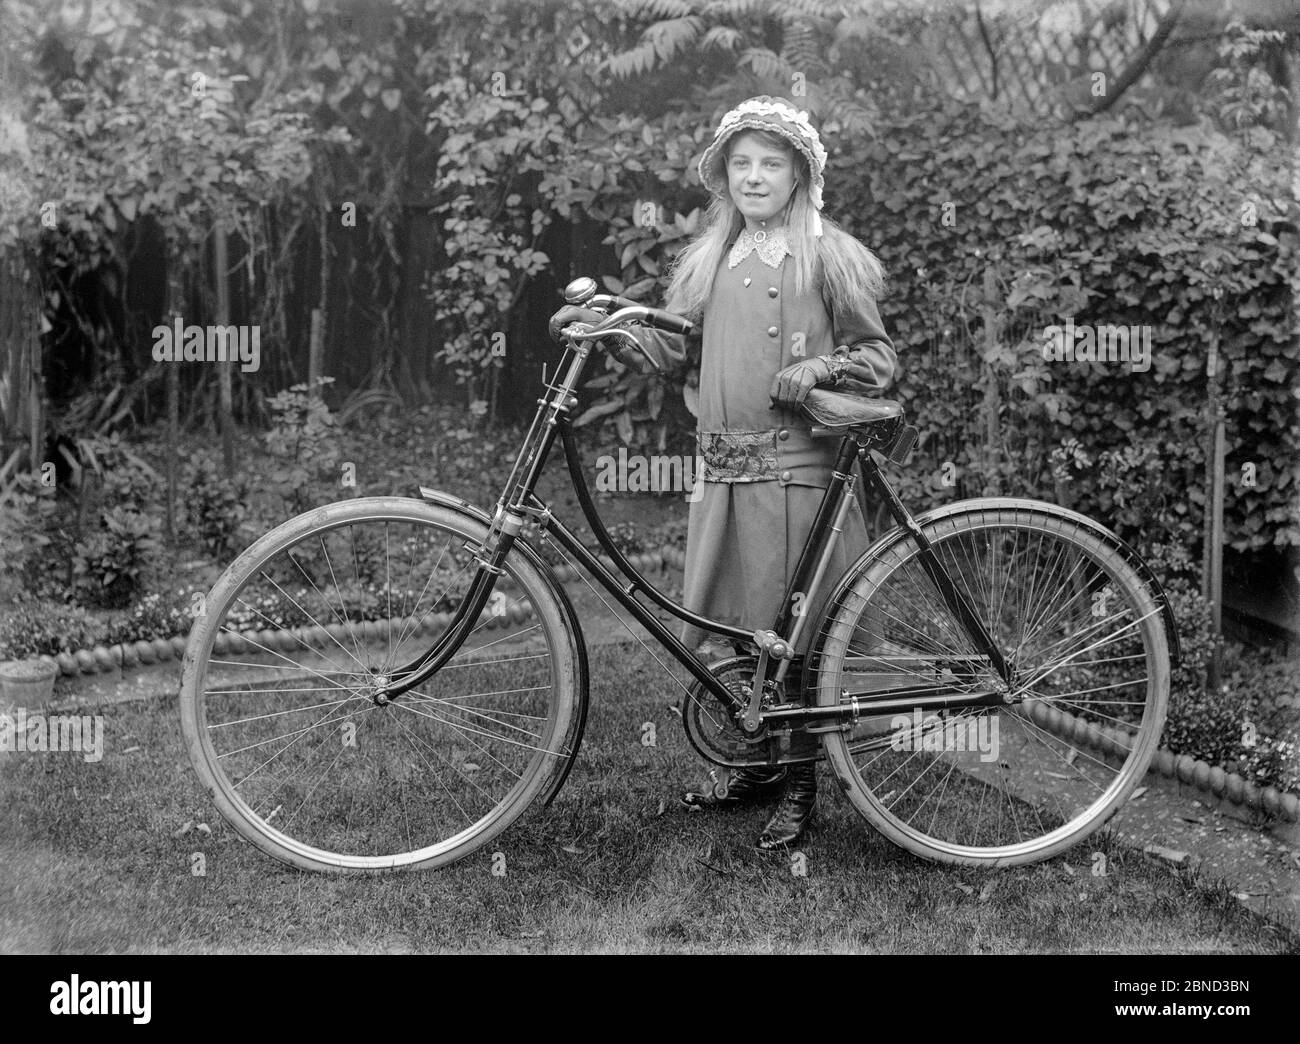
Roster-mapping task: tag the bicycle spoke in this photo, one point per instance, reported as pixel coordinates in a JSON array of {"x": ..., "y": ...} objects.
[
  {"x": 1041, "y": 771},
  {"x": 305, "y": 751}
]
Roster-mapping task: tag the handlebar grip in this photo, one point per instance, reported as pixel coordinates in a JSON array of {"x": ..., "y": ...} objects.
[
  {"x": 624, "y": 302},
  {"x": 668, "y": 321}
]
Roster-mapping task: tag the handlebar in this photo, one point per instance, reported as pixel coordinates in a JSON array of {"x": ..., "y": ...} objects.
[
  {"x": 611, "y": 329},
  {"x": 583, "y": 292},
  {"x": 656, "y": 317},
  {"x": 630, "y": 312}
]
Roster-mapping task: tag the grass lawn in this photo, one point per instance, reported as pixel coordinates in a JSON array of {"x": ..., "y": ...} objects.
[{"x": 95, "y": 857}]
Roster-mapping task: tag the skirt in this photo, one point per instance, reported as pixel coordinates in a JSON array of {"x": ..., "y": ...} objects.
[{"x": 742, "y": 547}]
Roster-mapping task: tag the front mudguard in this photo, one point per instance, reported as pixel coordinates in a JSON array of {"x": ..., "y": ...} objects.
[
  {"x": 960, "y": 507},
  {"x": 573, "y": 738}
]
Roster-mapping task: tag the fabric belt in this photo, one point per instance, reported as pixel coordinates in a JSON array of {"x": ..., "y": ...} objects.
[{"x": 738, "y": 456}]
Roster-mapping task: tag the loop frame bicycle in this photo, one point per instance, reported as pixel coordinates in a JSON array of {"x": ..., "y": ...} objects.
[{"x": 389, "y": 682}]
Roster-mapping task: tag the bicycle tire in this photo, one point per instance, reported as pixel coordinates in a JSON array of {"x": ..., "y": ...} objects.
[
  {"x": 1091, "y": 687},
  {"x": 422, "y": 781}
]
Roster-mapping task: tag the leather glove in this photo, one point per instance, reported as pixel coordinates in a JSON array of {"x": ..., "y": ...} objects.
[
  {"x": 625, "y": 354},
  {"x": 571, "y": 314},
  {"x": 629, "y": 356},
  {"x": 791, "y": 386}
]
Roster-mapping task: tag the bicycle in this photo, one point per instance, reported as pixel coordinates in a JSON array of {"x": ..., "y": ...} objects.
[{"x": 390, "y": 682}]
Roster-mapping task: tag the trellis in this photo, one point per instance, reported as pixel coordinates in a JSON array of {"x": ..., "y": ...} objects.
[{"x": 1038, "y": 60}]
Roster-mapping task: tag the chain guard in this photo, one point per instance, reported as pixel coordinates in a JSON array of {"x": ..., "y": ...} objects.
[{"x": 715, "y": 734}]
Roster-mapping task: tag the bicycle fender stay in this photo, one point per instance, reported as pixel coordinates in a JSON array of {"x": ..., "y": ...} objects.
[
  {"x": 961, "y": 507},
  {"x": 573, "y": 739}
]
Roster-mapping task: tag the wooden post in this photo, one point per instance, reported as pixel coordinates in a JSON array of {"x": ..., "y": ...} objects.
[
  {"x": 1212, "y": 557},
  {"x": 225, "y": 412},
  {"x": 36, "y": 402},
  {"x": 1216, "y": 558},
  {"x": 315, "y": 351},
  {"x": 319, "y": 314},
  {"x": 992, "y": 403},
  {"x": 22, "y": 381},
  {"x": 173, "y": 387}
]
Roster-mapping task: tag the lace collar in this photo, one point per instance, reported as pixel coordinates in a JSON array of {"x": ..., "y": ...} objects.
[{"x": 771, "y": 246}]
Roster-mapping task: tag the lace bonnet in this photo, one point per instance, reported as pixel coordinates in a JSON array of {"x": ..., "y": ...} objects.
[{"x": 768, "y": 114}]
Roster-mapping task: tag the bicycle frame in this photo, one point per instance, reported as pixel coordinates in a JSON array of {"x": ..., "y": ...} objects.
[
  {"x": 519, "y": 507},
  {"x": 270, "y": 717}
]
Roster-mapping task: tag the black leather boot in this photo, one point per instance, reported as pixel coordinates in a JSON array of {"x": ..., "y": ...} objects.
[
  {"x": 745, "y": 785},
  {"x": 793, "y": 813}
]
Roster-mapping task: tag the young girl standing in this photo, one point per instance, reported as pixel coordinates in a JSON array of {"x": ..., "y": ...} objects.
[{"x": 785, "y": 301}]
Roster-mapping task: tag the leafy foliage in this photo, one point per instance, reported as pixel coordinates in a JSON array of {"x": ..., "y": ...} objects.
[
  {"x": 156, "y": 615},
  {"x": 151, "y": 126},
  {"x": 493, "y": 142},
  {"x": 1248, "y": 726},
  {"x": 29, "y": 519},
  {"x": 106, "y": 470},
  {"x": 218, "y": 508},
  {"x": 1151, "y": 239},
  {"x": 110, "y": 564},
  {"x": 304, "y": 436},
  {"x": 992, "y": 232},
  {"x": 31, "y": 626}
]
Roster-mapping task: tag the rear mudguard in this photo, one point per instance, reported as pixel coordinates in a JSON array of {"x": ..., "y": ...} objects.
[
  {"x": 573, "y": 739},
  {"x": 960, "y": 507}
]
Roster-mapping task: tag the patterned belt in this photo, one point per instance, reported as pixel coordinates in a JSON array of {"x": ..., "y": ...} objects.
[{"x": 738, "y": 456}]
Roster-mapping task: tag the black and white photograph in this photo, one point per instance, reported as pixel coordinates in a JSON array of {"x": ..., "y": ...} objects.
[{"x": 651, "y": 477}]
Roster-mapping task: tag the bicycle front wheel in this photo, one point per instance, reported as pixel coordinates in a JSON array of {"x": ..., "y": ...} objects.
[
  {"x": 277, "y": 697},
  {"x": 1018, "y": 783}
]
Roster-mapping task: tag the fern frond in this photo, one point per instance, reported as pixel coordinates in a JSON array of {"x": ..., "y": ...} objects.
[
  {"x": 729, "y": 11},
  {"x": 664, "y": 9},
  {"x": 854, "y": 118},
  {"x": 818, "y": 9},
  {"x": 669, "y": 38},
  {"x": 636, "y": 62},
  {"x": 854, "y": 27},
  {"x": 722, "y": 38},
  {"x": 653, "y": 10},
  {"x": 765, "y": 64},
  {"x": 802, "y": 47}
]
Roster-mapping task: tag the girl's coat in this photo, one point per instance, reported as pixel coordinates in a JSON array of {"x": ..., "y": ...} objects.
[{"x": 759, "y": 500}]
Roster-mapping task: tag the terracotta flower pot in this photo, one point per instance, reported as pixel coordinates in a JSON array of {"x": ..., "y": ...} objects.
[{"x": 27, "y": 683}]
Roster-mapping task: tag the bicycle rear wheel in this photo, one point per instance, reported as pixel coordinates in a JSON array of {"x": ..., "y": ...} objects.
[
  {"x": 1024, "y": 781},
  {"x": 276, "y": 697}
]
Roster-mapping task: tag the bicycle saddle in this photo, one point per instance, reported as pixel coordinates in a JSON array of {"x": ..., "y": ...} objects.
[{"x": 836, "y": 410}]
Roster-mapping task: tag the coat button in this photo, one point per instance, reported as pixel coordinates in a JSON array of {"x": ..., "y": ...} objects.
[
  {"x": 772, "y": 291},
  {"x": 772, "y": 331},
  {"x": 783, "y": 434},
  {"x": 785, "y": 476}
]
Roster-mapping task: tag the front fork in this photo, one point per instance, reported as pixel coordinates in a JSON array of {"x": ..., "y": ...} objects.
[
  {"x": 490, "y": 555},
  {"x": 506, "y": 525}
]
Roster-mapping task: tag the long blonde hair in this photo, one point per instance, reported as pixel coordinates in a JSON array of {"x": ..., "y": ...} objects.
[{"x": 849, "y": 269}]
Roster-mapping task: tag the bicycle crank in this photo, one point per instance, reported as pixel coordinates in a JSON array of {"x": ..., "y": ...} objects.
[{"x": 715, "y": 732}]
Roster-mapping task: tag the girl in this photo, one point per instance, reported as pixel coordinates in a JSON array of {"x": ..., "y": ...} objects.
[{"x": 784, "y": 301}]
